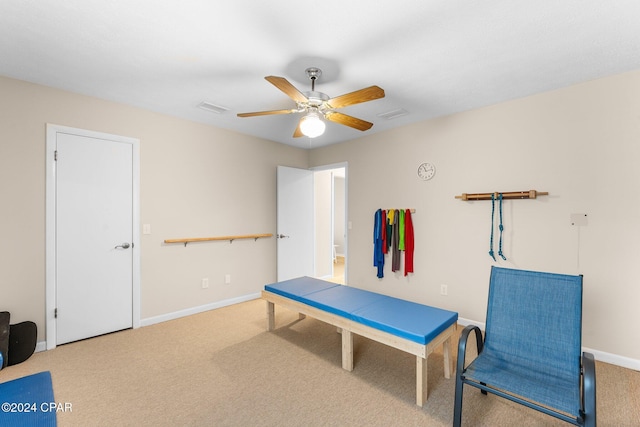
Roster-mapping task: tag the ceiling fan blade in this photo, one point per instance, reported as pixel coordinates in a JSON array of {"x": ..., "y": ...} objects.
[
  {"x": 289, "y": 89},
  {"x": 267, "y": 113},
  {"x": 350, "y": 121},
  {"x": 298, "y": 132},
  {"x": 363, "y": 95}
]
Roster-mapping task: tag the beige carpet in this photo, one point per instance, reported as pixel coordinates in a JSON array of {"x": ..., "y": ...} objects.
[{"x": 221, "y": 368}]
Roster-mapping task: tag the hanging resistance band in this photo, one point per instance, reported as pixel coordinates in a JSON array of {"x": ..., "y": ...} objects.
[
  {"x": 493, "y": 210},
  {"x": 500, "y": 227}
]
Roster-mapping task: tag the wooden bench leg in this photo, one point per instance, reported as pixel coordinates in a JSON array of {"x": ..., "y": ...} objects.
[
  {"x": 448, "y": 361},
  {"x": 271, "y": 320},
  {"x": 347, "y": 350},
  {"x": 421, "y": 381}
]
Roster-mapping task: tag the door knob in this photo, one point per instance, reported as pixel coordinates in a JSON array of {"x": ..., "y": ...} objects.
[
  {"x": 281, "y": 236},
  {"x": 125, "y": 245}
]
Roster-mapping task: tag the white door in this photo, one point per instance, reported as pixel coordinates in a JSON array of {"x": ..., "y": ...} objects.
[
  {"x": 295, "y": 223},
  {"x": 94, "y": 236}
]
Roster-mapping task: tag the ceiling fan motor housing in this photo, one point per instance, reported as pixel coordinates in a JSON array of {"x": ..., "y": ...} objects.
[{"x": 316, "y": 98}]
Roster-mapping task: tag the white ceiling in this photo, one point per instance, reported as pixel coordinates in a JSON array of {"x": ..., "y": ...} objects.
[{"x": 432, "y": 57}]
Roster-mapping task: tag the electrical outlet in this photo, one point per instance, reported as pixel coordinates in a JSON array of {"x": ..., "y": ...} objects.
[
  {"x": 205, "y": 283},
  {"x": 227, "y": 279},
  {"x": 443, "y": 290}
]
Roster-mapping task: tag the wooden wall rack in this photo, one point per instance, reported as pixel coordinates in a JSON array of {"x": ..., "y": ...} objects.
[
  {"x": 229, "y": 238},
  {"x": 397, "y": 209},
  {"x": 531, "y": 194}
]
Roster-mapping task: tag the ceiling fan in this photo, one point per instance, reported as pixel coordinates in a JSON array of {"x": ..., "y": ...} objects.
[{"x": 316, "y": 105}]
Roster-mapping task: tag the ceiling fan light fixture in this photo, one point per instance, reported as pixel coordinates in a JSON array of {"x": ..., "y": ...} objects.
[{"x": 311, "y": 125}]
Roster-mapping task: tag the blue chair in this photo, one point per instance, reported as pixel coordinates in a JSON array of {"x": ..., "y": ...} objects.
[{"x": 531, "y": 353}]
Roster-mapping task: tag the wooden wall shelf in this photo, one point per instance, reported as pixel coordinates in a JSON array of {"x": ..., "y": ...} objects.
[
  {"x": 530, "y": 194},
  {"x": 208, "y": 239}
]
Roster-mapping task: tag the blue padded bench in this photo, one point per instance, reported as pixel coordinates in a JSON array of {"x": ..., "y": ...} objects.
[{"x": 415, "y": 328}]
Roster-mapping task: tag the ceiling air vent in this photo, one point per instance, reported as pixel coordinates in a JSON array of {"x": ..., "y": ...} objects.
[
  {"x": 212, "y": 108},
  {"x": 399, "y": 112}
]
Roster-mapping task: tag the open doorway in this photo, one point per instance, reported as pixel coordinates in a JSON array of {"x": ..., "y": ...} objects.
[{"x": 330, "y": 221}]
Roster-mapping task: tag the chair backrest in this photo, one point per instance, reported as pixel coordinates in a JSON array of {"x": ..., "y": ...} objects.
[{"x": 535, "y": 319}]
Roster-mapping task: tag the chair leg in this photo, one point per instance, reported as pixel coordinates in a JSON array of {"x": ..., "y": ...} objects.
[
  {"x": 457, "y": 408},
  {"x": 589, "y": 389}
]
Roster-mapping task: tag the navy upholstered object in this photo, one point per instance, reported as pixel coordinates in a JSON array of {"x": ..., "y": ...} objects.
[
  {"x": 27, "y": 401},
  {"x": 532, "y": 346},
  {"x": 406, "y": 319}
]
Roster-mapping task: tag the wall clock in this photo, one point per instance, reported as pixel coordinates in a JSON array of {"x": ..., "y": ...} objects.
[{"x": 426, "y": 171}]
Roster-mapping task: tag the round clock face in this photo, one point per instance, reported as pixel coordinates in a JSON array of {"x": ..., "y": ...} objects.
[{"x": 426, "y": 171}]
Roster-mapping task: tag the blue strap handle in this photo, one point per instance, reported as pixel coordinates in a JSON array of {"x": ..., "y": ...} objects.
[
  {"x": 501, "y": 230},
  {"x": 493, "y": 209}
]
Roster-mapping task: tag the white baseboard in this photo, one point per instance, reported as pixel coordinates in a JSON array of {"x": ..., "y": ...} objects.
[
  {"x": 600, "y": 356},
  {"x": 614, "y": 359},
  {"x": 195, "y": 310},
  {"x": 467, "y": 322},
  {"x": 42, "y": 345}
]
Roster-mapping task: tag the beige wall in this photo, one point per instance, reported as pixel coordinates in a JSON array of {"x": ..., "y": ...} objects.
[
  {"x": 196, "y": 181},
  {"x": 581, "y": 144}
]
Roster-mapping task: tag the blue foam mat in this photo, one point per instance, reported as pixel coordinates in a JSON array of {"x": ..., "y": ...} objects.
[
  {"x": 410, "y": 320},
  {"x": 341, "y": 300},
  {"x": 27, "y": 401},
  {"x": 295, "y": 288}
]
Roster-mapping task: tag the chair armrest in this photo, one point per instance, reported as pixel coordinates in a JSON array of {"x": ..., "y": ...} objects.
[
  {"x": 589, "y": 388},
  {"x": 462, "y": 345},
  {"x": 462, "y": 352}
]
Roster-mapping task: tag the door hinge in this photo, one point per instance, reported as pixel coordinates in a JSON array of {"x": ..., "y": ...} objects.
[
  {"x": 55, "y": 156},
  {"x": 55, "y": 313}
]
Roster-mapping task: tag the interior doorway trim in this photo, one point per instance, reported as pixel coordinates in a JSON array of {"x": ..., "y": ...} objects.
[
  {"x": 50, "y": 224},
  {"x": 345, "y": 166}
]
